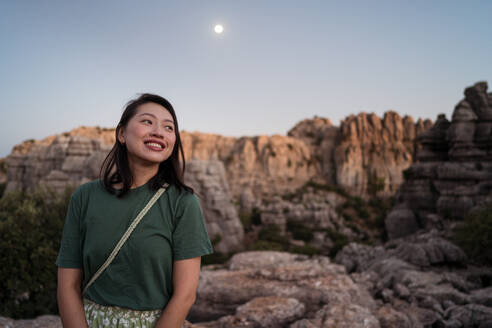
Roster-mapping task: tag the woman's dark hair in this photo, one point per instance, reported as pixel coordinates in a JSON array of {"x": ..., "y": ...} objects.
[{"x": 116, "y": 169}]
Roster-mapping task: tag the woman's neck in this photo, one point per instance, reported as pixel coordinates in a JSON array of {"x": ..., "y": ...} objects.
[{"x": 142, "y": 174}]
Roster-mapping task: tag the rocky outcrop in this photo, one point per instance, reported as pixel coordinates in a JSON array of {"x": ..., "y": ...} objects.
[
  {"x": 373, "y": 152},
  {"x": 417, "y": 281},
  {"x": 366, "y": 154},
  {"x": 363, "y": 152},
  {"x": 424, "y": 277},
  {"x": 275, "y": 289},
  {"x": 44, "y": 321},
  {"x": 223, "y": 225},
  {"x": 3, "y": 171},
  {"x": 453, "y": 170},
  {"x": 258, "y": 166}
]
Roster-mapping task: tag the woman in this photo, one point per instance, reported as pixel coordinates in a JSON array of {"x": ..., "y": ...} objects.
[{"x": 152, "y": 281}]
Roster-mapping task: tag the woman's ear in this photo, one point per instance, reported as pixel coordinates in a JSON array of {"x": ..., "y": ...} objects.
[{"x": 121, "y": 136}]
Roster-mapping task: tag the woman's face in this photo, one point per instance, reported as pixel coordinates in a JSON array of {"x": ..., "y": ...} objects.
[{"x": 149, "y": 135}]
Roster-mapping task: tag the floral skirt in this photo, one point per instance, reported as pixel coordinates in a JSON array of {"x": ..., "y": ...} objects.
[{"x": 100, "y": 316}]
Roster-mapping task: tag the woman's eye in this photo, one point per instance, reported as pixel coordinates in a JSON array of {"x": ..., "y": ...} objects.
[
  {"x": 147, "y": 121},
  {"x": 170, "y": 128}
]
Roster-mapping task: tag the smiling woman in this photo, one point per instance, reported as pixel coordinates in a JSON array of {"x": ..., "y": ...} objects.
[
  {"x": 149, "y": 137},
  {"x": 151, "y": 274}
]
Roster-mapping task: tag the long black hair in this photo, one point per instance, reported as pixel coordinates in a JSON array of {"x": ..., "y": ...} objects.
[{"x": 116, "y": 168}]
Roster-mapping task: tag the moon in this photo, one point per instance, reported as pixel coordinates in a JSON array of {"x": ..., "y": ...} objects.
[{"x": 218, "y": 29}]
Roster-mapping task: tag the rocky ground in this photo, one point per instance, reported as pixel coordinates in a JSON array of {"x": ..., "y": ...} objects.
[{"x": 418, "y": 281}]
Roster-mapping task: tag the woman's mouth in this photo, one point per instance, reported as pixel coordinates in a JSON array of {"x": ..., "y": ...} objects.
[{"x": 154, "y": 146}]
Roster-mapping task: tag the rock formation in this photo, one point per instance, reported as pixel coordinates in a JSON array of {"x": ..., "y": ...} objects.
[
  {"x": 261, "y": 166},
  {"x": 364, "y": 151},
  {"x": 400, "y": 284},
  {"x": 354, "y": 156},
  {"x": 453, "y": 169},
  {"x": 223, "y": 225},
  {"x": 275, "y": 289},
  {"x": 3, "y": 171},
  {"x": 424, "y": 277},
  {"x": 375, "y": 150}
]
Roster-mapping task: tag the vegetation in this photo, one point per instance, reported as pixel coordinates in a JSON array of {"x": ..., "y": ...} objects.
[
  {"x": 475, "y": 235},
  {"x": 339, "y": 241},
  {"x": 407, "y": 174},
  {"x": 2, "y": 188},
  {"x": 299, "y": 231},
  {"x": 30, "y": 225},
  {"x": 215, "y": 258},
  {"x": 248, "y": 219},
  {"x": 315, "y": 186},
  {"x": 271, "y": 239},
  {"x": 375, "y": 184},
  {"x": 306, "y": 250}
]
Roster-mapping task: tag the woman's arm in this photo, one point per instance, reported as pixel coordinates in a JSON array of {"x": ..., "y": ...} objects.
[
  {"x": 69, "y": 297},
  {"x": 185, "y": 282}
]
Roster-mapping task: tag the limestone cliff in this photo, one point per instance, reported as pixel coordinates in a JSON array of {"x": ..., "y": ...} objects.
[
  {"x": 453, "y": 169},
  {"x": 254, "y": 168}
]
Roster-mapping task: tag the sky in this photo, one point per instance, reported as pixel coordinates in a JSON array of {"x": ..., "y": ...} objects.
[{"x": 65, "y": 64}]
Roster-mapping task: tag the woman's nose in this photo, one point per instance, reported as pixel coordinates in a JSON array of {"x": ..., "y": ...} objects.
[{"x": 158, "y": 131}]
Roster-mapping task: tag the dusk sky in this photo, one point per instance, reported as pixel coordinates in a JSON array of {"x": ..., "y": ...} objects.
[{"x": 64, "y": 64}]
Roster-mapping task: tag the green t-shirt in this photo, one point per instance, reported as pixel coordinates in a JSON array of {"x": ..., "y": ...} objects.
[{"x": 140, "y": 277}]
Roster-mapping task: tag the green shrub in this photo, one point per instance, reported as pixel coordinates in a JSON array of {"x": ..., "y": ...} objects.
[
  {"x": 339, "y": 241},
  {"x": 2, "y": 188},
  {"x": 306, "y": 250},
  {"x": 245, "y": 219},
  {"x": 217, "y": 238},
  {"x": 272, "y": 233},
  {"x": 248, "y": 219},
  {"x": 30, "y": 225},
  {"x": 475, "y": 235},
  {"x": 326, "y": 187},
  {"x": 375, "y": 184},
  {"x": 407, "y": 174},
  {"x": 256, "y": 216},
  {"x": 215, "y": 258},
  {"x": 265, "y": 245},
  {"x": 299, "y": 231}
]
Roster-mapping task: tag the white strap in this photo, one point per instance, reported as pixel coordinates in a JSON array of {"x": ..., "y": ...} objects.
[{"x": 126, "y": 235}]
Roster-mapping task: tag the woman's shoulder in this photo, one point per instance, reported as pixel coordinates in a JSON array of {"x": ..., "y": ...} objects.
[
  {"x": 180, "y": 192},
  {"x": 88, "y": 187},
  {"x": 181, "y": 196}
]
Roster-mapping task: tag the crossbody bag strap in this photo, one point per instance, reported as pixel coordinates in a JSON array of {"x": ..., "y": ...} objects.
[{"x": 125, "y": 236}]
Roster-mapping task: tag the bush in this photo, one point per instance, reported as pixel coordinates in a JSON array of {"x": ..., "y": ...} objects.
[
  {"x": 30, "y": 225},
  {"x": 375, "y": 184},
  {"x": 272, "y": 233},
  {"x": 475, "y": 235},
  {"x": 326, "y": 187},
  {"x": 248, "y": 219},
  {"x": 215, "y": 258},
  {"x": 299, "y": 231},
  {"x": 407, "y": 174},
  {"x": 339, "y": 241},
  {"x": 306, "y": 250},
  {"x": 265, "y": 245},
  {"x": 2, "y": 188}
]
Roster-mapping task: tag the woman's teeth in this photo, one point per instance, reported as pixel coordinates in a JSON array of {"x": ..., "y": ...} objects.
[{"x": 154, "y": 144}]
